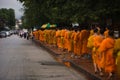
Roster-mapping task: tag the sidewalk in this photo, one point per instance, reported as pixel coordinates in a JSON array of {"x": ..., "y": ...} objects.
[{"x": 81, "y": 65}]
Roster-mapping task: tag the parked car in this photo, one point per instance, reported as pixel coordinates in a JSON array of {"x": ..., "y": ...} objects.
[
  {"x": 7, "y": 33},
  {"x": 3, "y": 34}
]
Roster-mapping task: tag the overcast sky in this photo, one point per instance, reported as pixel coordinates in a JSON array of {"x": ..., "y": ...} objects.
[{"x": 14, "y": 4}]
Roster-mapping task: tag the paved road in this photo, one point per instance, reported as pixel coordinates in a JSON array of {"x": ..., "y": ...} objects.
[{"x": 21, "y": 59}]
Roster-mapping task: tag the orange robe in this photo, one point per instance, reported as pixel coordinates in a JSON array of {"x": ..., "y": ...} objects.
[
  {"x": 77, "y": 43},
  {"x": 72, "y": 41},
  {"x": 83, "y": 41},
  {"x": 97, "y": 40},
  {"x": 90, "y": 43},
  {"x": 75, "y": 46},
  {"x": 42, "y": 36},
  {"x": 35, "y": 33},
  {"x": 62, "y": 38},
  {"x": 118, "y": 64},
  {"x": 39, "y": 35},
  {"x": 90, "y": 46},
  {"x": 45, "y": 34},
  {"x": 91, "y": 32},
  {"x": 107, "y": 61},
  {"x": 58, "y": 37},
  {"x": 50, "y": 36},
  {"x": 117, "y": 52},
  {"x": 65, "y": 40},
  {"x": 53, "y": 37},
  {"x": 69, "y": 40},
  {"x": 106, "y": 33}
]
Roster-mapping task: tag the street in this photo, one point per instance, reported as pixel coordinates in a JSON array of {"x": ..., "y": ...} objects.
[{"x": 21, "y": 59}]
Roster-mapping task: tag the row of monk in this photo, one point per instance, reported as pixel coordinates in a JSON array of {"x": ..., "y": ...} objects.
[{"x": 101, "y": 45}]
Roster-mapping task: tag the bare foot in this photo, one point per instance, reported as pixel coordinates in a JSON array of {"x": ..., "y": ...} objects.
[
  {"x": 110, "y": 76},
  {"x": 101, "y": 74}
]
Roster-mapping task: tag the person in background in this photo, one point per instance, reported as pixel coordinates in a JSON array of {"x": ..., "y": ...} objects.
[{"x": 27, "y": 35}]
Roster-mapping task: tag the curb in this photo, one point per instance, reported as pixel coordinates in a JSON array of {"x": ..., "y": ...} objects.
[
  {"x": 72, "y": 64},
  {"x": 78, "y": 68}
]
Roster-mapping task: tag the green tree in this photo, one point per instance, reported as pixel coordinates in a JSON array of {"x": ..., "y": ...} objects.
[
  {"x": 9, "y": 17},
  {"x": 38, "y": 12}
]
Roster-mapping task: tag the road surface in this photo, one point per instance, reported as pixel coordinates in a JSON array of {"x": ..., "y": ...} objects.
[{"x": 21, "y": 59}]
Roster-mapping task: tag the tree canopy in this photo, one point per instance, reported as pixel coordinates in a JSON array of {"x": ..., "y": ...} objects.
[
  {"x": 38, "y": 12},
  {"x": 7, "y": 17}
]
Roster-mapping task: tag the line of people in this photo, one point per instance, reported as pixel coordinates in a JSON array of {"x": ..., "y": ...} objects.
[{"x": 97, "y": 42}]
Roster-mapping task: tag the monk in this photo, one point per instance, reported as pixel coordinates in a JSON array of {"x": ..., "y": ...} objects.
[
  {"x": 92, "y": 47},
  {"x": 106, "y": 32},
  {"x": 65, "y": 40},
  {"x": 58, "y": 38},
  {"x": 117, "y": 55},
  {"x": 84, "y": 39},
  {"x": 97, "y": 40},
  {"x": 35, "y": 33},
  {"x": 90, "y": 42},
  {"x": 77, "y": 44},
  {"x": 107, "y": 60},
  {"x": 72, "y": 41},
  {"x": 42, "y": 36},
  {"x": 50, "y": 36},
  {"x": 69, "y": 41},
  {"x": 62, "y": 38},
  {"x": 39, "y": 35},
  {"x": 53, "y": 37}
]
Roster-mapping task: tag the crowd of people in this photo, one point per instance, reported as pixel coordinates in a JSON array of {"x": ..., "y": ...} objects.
[
  {"x": 98, "y": 43},
  {"x": 25, "y": 35}
]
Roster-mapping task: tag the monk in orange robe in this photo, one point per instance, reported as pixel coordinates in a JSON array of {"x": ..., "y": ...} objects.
[
  {"x": 76, "y": 43},
  {"x": 72, "y": 41},
  {"x": 106, "y": 32},
  {"x": 117, "y": 55},
  {"x": 45, "y": 34},
  {"x": 50, "y": 36},
  {"x": 40, "y": 37},
  {"x": 58, "y": 36},
  {"x": 90, "y": 41},
  {"x": 97, "y": 40},
  {"x": 53, "y": 37},
  {"x": 62, "y": 38},
  {"x": 69, "y": 41},
  {"x": 84, "y": 39},
  {"x": 35, "y": 33},
  {"x": 93, "y": 42},
  {"x": 65, "y": 40},
  {"x": 107, "y": 61},
  {"x": 75, "y": 47}
]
